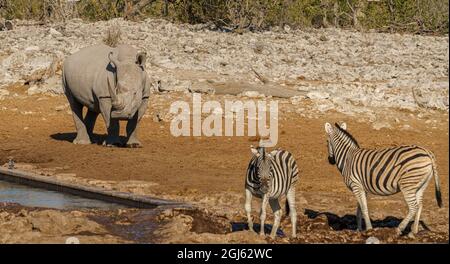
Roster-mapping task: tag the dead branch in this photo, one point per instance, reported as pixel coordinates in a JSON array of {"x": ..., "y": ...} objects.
[
  {"x": 136, "y": 7},
  {"x": 259, "y": 76}
]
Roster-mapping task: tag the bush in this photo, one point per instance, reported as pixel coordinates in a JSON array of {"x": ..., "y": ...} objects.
[{"x": 415, "y": 16}]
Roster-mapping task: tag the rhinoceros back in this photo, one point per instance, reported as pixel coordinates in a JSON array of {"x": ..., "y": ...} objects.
[{"x": 83, "y": 69}]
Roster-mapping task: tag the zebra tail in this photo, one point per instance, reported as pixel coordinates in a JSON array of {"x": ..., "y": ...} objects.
[
  {"x": 437, "y": 188},
  {"x": 288, "y": 210}
]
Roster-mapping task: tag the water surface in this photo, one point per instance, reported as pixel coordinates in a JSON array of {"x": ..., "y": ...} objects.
[{"x": 36, "y": 197}]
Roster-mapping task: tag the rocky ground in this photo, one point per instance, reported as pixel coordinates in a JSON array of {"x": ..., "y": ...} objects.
[
  {"x": 390, "y": 89},
  {"x": 344, "y": 68}
]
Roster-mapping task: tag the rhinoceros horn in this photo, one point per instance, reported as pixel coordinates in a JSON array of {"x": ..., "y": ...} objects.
[{"x": 116, "y": 103}]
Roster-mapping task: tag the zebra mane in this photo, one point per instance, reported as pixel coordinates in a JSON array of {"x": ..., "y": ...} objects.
[
  {"x": 263, "y": 152},
  {"x": 347, "y": 134}
]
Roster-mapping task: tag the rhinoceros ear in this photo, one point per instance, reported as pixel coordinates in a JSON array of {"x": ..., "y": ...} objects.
[
  {"x": 141, "y": 57},
  {"x": 113, "y": 59}
]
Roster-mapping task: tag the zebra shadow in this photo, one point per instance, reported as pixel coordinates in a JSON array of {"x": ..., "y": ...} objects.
[
  {"x": 348, "y": 222},
  {"x": 240, "y": 226}
]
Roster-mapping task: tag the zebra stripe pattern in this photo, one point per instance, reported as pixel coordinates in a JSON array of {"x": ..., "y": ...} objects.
[
  {"x": 271, "y": 176},
  {"x": 406, "y": 169}
]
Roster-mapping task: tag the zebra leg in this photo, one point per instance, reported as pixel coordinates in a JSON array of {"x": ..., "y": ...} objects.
[
  {"x": 248, "y": 208},
  {"x": 358, "y": 217},
  {"x": 275, "y": 205},
  {"x": 419, "y": 196},
  {"x": 292, "y": 211},
  {"x": 415, "y": 228},
  {"x": 411, "y": 200},
  {"x": 362, "y": 201},
  {"x": 262, "y": 215}
]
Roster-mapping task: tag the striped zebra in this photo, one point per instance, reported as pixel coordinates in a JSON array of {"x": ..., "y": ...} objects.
[
  {"x": 271, "y": 176},
  {"x": 406, "y": 169}
]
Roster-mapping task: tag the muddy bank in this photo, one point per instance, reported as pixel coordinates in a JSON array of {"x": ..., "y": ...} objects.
[
  {"x": 19, "y": 224},
  {"x": 203, "y": 226}
]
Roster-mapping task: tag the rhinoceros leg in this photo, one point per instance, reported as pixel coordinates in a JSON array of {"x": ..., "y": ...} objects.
[
  {"x": 133, "y": 141},
  {"x": 112, "y": 124},
  {"x": 77, "y": 113},
  {"x": 89, "y": 121}
]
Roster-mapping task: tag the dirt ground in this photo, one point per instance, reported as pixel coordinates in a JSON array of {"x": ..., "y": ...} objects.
[{"x": 37, "y": 130}]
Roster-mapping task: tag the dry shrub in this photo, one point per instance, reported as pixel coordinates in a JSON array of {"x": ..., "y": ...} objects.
[
  {"x": 113, "y": 36},
  {"x": 418, "y": 16}
]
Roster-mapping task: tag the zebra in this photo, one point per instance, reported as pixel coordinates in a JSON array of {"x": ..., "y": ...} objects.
[
  {"x": 271, "y": 176},
  {"x": 406, "y": 169}
]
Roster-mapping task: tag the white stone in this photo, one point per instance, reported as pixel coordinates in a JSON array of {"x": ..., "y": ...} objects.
[
  {"x": 32, "y": 48},
  {"x": 372, "y": 240},
  {"x": 318, "y": 95},
  {"x": 380, "y": 124},
  {"x": 251, "y": 94},
  {"x": 54, "y": 32}
]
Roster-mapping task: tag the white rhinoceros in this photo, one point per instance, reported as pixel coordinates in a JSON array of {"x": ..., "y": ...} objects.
[{"x": 110, "y": 81}]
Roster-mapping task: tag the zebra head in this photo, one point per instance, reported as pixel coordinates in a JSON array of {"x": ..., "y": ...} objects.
[
  {"x": 263, "y": 167},
  {"x": 331, "y": 158},
  {"x": 331, "y": 140}
]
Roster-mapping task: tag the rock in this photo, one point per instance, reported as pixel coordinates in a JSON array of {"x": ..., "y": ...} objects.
[
  {"x": 52, "y": 85},
  {"x": 54, "y": 32},
  {"x": 198, "y": 41},
  {"x": 323, "y": 106},
  {"x": 72, "y": 240},
  {"x": 380, "y": 124},
  {"x": 318, "y": 95},
  {"x": 372, "y": 240},
  {"x": 3, "y": 93},
  {"x": 295, "y": 100},
  {"x": 31, "y": 67},
  {"x": 9, "y": 25},
  {"x": 34, "y": 89},
  {"x": 426, "y": 98},
  {"x": 406, "y": 127},
  {"x": 201, "y": 88},
  {"x": 60, "y": 108},
  {"x": 32, "y": 48},
  {"x": 323, "y": 38},
  {"x": 259, "y": 47},
  {"x": 189, "y": 49},
  {"x": 252, "y": 94}
]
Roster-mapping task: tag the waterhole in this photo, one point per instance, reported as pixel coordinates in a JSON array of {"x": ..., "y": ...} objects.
[{"x": 37, "y": 197}]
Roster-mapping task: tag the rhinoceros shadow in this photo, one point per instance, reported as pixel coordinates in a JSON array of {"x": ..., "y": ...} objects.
[{"x": 69, "y": 137}]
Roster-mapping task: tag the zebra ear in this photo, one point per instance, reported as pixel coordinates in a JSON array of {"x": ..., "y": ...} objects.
[
  {"x": 328, "y": 128},
  {"x": 343, "y": 125},
  {"x": 254, "y": 151}
]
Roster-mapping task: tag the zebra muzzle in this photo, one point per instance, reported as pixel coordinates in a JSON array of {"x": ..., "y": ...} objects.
[{"x": 331, "y": 160}]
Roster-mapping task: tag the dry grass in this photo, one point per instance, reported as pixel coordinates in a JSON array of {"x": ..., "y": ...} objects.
[{"x": 113, "y": 36}]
